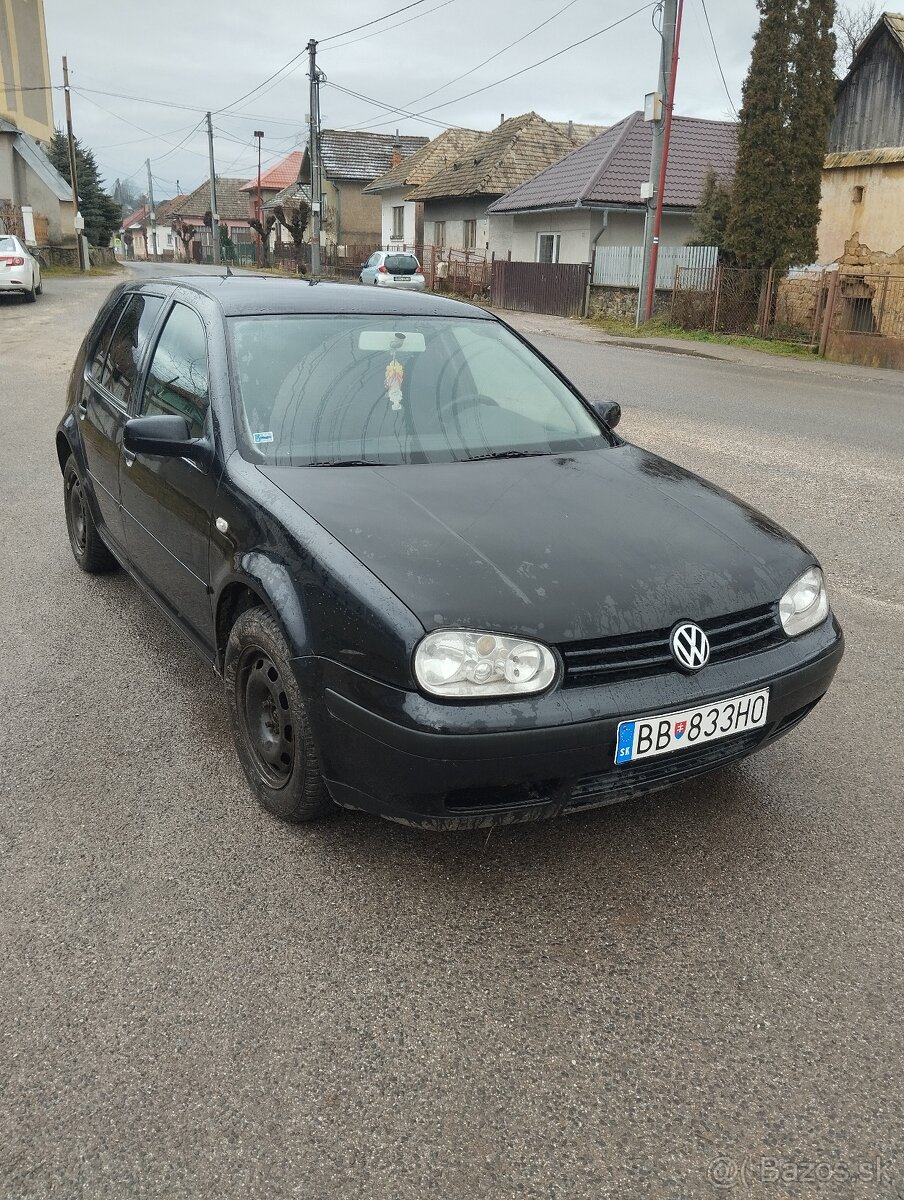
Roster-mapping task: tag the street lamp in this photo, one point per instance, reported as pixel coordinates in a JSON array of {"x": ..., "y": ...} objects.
[{"x": 259, "y": 133}]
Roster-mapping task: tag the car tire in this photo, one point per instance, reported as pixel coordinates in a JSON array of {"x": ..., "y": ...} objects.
[
  {"x": 39, "y": 289},
  {"x": 31, "y": 295},
  {"x": 88, "y": 550},
  {"x": 269, "y": 719}
]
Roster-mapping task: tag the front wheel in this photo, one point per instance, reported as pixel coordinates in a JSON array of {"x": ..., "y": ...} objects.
[{"x": 269, "y": 720}]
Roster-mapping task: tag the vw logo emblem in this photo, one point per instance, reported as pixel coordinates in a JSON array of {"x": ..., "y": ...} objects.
[{"x": 689, "y": 646}]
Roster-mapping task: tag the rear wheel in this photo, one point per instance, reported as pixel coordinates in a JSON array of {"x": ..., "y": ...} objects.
[
  {"x": 39, "y": 288},
  {"x": 270, "y": 723},
  {"x": 87, "y": 548},
  {"x": 30, "y": 296}
]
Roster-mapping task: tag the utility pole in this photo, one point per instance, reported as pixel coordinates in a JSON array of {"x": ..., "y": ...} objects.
[
  {"x": 73, "y": 172},
  {"x": 259, "y": 133},
  {"x": 314, "y": 156},
  {"x": 668, "y": 61},
  {"x": 152, "y": 215},
  {"x": 214, "y": 219}
]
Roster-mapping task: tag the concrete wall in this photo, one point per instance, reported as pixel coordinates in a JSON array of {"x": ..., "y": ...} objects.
[
  {"x": 391, "y": 200},
  {"x": 877, "y": 220}
]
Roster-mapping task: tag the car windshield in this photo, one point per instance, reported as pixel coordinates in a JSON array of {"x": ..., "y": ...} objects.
[
  {"x": 401, "y": 264},
  {"x": 342, "y": 390}
]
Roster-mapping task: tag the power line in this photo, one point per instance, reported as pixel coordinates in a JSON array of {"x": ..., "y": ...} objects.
[
  {"x": 514, "y": 74},
  {"x": 375, "y": 21},
  {"x": 718, "y": 60},
  {"x": 156, "y": 136},
  {"x": 398, "y": 25},
  {"x": 389, "y": 107}
]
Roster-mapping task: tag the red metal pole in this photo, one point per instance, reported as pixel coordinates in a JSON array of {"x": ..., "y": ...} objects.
[
  {"x": 260, "y": 211},
  {"x": 657, "y": 219}
]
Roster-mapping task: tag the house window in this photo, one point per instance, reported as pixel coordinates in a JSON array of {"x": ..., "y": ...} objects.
[
  {"x": 857, "y": 194},
  {"x": 469, "y": 234},
  {"x": 548, "y": 247},
  {"x": 439, "y": 233},
  {"x": 398, "y": 222}
]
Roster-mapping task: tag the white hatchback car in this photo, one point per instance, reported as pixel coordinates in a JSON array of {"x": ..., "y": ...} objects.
[
  {"x": 20, "y": 271},
  {"x": 389, "y": 268}
]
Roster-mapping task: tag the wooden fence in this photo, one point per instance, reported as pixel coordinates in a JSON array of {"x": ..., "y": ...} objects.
[{"x": 559, "y": 289}]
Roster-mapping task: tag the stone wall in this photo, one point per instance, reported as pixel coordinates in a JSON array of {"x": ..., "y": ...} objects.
[{"x": 620, "y": 303}]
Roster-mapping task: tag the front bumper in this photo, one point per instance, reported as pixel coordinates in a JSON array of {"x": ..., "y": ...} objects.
[{"x": 444, "y": 766}]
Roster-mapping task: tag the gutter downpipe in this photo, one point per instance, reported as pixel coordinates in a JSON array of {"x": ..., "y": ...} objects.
[{"x": 593, "y": 244}]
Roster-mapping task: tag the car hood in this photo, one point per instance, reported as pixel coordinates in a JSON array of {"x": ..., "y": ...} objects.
[{"x": 561, "y": 547}]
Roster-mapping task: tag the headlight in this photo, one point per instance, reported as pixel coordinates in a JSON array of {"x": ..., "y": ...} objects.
[
  {"x": 461, "y": 663},
  {"x": 805, "y": 603}
]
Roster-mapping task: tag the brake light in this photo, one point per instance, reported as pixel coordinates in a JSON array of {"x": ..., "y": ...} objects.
[
  {"x": 13, "y": 260},
  {"x": 382, "y": 269}
]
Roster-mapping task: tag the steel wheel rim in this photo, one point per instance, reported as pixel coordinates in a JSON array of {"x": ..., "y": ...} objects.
[
  {"x": 265, "y": 717},
  {"x": 78, "y": 524}
]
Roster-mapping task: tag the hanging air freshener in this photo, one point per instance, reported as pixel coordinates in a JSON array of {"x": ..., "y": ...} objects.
[{"x": 395, "y": 374}]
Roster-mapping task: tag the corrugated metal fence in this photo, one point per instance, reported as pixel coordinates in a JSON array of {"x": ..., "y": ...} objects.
[{"x": 621, "y": 266}]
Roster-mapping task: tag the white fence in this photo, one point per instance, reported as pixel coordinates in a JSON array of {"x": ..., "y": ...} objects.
[{"x": 622, "y": 266}]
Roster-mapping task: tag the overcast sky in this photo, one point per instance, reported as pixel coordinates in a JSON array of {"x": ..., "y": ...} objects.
[{"x": 206, "y": 54}]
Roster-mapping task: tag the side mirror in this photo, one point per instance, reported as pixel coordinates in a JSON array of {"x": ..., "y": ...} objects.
[
  {"x": 166, "y": 437},
  {"x": 608, "y": 411}
]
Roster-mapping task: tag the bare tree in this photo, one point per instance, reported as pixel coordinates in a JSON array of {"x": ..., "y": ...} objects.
[
  {"x": 295, "y": 220},
  {"x": 852, "y": 25},
  {"x": 185, "y": 233},
  {"x": 263, "y": 229}
]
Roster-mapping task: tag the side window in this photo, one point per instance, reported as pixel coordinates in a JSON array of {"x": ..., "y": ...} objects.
[
  {"x": 177, "y": 382},
  {"x": 128, "y": 343},
  {"x": 102, "y": 345},
  {"x": 374, "y": 260}
]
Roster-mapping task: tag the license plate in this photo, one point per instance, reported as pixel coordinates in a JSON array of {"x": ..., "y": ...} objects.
[
  {"x": 401, "y": 278},
  {"x": 648, "y": 736}
]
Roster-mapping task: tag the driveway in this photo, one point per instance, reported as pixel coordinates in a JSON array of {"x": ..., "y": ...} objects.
[{"x": 655, "y": 999}]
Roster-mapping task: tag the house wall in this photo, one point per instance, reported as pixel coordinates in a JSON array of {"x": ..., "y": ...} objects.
[
  {"x": 455, "y": 213},
  {"x": 577, "y": 229},
  {"x": 869, "y": 110},
  {"x": 877, "y": 220},
  {"x": 19, "y": 184},
  {"x": 356, "y": 219},
  {"x": 24, "y": 63},
  {"x": 390, "y": 200}
]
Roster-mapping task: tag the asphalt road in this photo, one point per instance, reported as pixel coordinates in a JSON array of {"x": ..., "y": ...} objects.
[{"x": 197, "y": 1001}]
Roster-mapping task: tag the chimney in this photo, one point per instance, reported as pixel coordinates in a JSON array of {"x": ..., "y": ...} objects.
[
  {"x": 571, "y": 130},
  {"x": 396, "y": 151},
  {"x": 502, "y": 118}
]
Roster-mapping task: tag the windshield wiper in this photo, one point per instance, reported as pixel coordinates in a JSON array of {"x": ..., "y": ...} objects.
[
  {"x": 507, "y": 454},
  {"x": 345, "y": 462}
]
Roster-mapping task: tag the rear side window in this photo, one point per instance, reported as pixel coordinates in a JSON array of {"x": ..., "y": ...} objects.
[
  {"x": 401, "y": 264},
  {"x": 128, "y": 343},
  {"x": 178, "y": 379},
  {"x": 102, "y": 345}
]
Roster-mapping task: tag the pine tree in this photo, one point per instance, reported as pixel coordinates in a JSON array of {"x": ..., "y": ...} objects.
[
  {"x": 785, "y": 115},
  {"x": 101, "y": 213},
  {"x": 710, "y": 220}
]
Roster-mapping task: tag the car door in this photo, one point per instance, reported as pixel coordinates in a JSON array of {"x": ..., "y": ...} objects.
[
  {"x": 107, "y": 397},
  {"x": 167, "y": 502},
  {"x": 367, "y": 275}
]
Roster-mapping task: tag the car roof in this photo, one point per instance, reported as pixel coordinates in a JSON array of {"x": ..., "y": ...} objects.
[{"x": 247, "y": 295}]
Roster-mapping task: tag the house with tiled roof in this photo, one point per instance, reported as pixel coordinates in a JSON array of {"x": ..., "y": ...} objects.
[
  {"x": 592, "y": 196},
  {"x": 456, "y": 198},
  {"x": 232, "y": 210},
  {"x": 350, "y": 160},
  {"x": 403, "y": 218},
  {"x": 29, "y": 181},
  {"x": 272, "y": 182},
  {"x": 135, "y": 232}
]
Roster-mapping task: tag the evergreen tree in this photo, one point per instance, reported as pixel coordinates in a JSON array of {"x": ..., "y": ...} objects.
[
  {"x": 785, "y": 115},
  {"x": 710, "y": 221},
  {"x": 100, "y": 211}
]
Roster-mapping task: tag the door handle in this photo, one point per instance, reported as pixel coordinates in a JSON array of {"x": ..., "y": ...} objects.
[
  {"x": 82, "y": 407},
  {"x": 128, "y": 456}
]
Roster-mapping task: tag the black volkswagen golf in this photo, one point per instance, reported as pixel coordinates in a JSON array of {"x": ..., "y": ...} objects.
[{"x": 437, "y": 584}]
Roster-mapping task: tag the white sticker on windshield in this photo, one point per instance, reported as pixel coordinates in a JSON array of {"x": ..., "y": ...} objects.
[{"x": 260, "y": 438}]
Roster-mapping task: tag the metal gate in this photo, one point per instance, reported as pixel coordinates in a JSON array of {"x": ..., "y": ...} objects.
[{"x": 559, "y": 289}]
